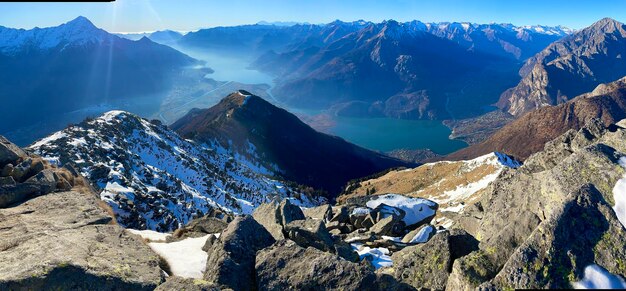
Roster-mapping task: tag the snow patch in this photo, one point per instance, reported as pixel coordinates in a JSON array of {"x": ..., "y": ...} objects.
[
  {"x": 417, "y": 209},
  {"x": 619, "y": 195},
  {"x": 423, "y": 235},
  {"x": 185, "y": 258},
  {"x": 150, "y": 235},
  {"x": 597, "y": 277},
  {"x": 378, "y": 256}
]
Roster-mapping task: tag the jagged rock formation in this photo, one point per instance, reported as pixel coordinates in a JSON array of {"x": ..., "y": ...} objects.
[
  {"x": 153, "y": 178},
  {"x": 569, "y": 67},
  {"x": 529, "y": 133},
  {"x": 281, "y": 142}
]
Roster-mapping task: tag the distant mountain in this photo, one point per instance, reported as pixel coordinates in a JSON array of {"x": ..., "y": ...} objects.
[
  {"x": 282, "y": 142},
  {"x": 161, "y": 36},
  {"x": 154, "y": 179},
  {"x": 529, "y": 133},
  {"x": 258, "y": 39},
  {"x": 48, "y": 72},
  {"x": 406, "y": 70},
  {"x": 569, "y": 67}
]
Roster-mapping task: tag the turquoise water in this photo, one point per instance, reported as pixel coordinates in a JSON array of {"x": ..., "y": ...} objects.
[{"x": 386, "y": 134}]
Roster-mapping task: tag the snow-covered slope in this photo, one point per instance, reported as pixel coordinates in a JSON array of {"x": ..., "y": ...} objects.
[
  {"x": 152, "y": 178},
  {"x": 76, "y": 32}
]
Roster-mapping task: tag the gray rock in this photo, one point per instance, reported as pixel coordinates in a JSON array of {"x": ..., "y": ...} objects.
[
  {"x": 323, "y": 212},
  {"x": 340, "y": 215},
  {"x": 11, "y": 194},
  {"x": 21, "y": 172},
  {"x": 287, "y": 266},
  {"x": 209, "y": 243},
  {"x": 45, "y": 179},
  {"x": 7, "y": 170},
  {"x": 310, "y": 233},
  {"x": 187, "y": 284},
  {"x": 424, "y": 265},
  {"x": 231, "y": 259},
  {"x": 64, "y": 241},
  {"x": 275, "y": 216},
  {"x": 341, "y": 227},
  {"x": 289, "y": 212},
  {"x": 391, "y": 226},
  {"x": 9, "y": 152}
]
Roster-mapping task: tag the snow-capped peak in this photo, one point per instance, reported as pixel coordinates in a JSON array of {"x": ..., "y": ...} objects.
[{"x": 79, "y": 31}]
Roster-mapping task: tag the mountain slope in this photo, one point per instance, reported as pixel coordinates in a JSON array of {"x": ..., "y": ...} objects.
[
  {"x": 569, "y": 67},
  {"x": 46, "y": 73},
  {"x": 152, "y": 178},
  {"x": 283, "y": 142},
  {"x": 529, "y": 133}
]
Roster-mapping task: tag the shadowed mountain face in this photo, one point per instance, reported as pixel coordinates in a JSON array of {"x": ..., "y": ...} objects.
[
  {"x": 53, "y": 71},
  {"x": 255, "y": 127},
  {"x": 408, "y": 70},
  {"x": 529, "y": 133},
  {"x": 570, "y": 67}
]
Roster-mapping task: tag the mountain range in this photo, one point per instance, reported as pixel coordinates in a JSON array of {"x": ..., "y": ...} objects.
[{"x": 409, "y": 70}]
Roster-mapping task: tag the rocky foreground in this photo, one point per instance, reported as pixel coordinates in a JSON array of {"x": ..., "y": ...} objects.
[{"x": 555, "y": 222}]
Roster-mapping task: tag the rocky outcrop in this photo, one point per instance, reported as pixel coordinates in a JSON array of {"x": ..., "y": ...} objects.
[
  {"x": 285, "y": 265},
  {"x": 214, "y": 222},
  {"x": 232, "y": 258},
  {"x": 540, "y": 225},
  {"x": 23, "y": 175},
  {"x": 65, "y": 240},
  {"x": 274, "y": 216}
]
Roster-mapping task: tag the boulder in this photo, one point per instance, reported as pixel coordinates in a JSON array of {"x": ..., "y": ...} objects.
[
  {"x": 390, "y": 226},
  {"x": 289, "y": 212},
  {"x": 7, "y": 170},
  {"x": 231, "y": 259},
  {"x": 285, "y": 265},
  {"x": 340, "y": 215},
  {"x": 11, "y": 194},
  {"x": 419, "y": 235},
  {"x": 64, "y": 241},
  {"x": 22, "y": 170},
  {"x": 45, "y": 179},
  {"x": 383, "y": 211},
  {"x": 313, "y": 233},
  {"x": 9, "y": 152},
  {"x": 424, "y": 265},
  {"x": 310, "y": 233},
  {"x": 341, "y": 227},
  {"x": 323, "y": 212},
  {"x": 175, "y": 283},
  {"x": 274, "y": 216}
]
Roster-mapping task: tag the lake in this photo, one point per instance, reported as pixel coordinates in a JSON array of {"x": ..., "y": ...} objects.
[{"x": 386, "y": 134}]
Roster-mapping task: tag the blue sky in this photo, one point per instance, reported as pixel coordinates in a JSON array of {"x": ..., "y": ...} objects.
[{"x": 149, "y": 15}]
